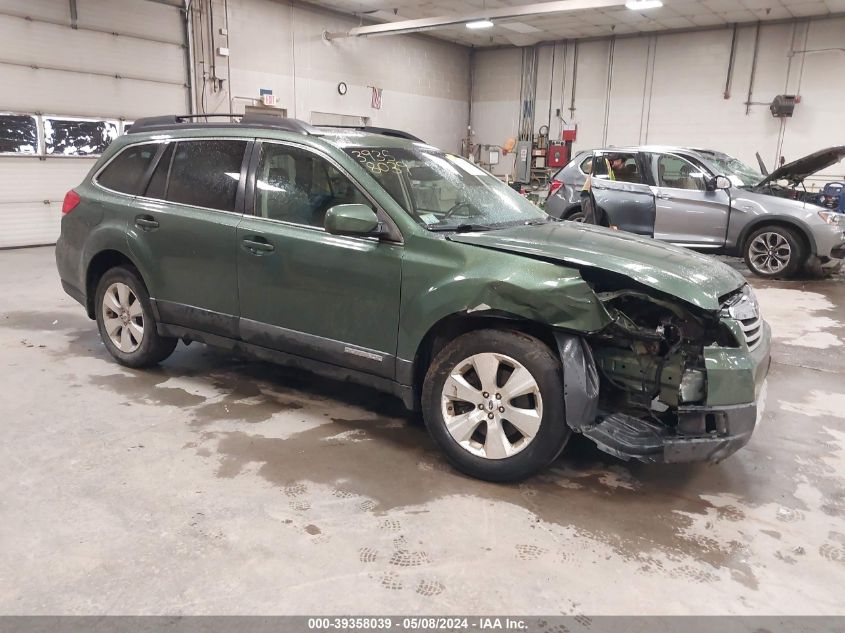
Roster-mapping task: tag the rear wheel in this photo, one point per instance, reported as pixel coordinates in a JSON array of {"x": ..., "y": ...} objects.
[
  {"x": 774, "y": 251},
  {"x": 125, "y": 320},
  {"x": 493, "y": 401},
  {"x": 577, "y": 216}
]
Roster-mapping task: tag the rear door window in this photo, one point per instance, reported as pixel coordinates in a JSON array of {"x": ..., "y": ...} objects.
[
  {"x": 206, "y": 173},
  {"x": 126, "y": 172}
]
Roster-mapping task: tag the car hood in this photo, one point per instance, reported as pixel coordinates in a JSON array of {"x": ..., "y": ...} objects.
[
  {"x": 694, "y": 278},
  {"x": 798, "y": 170}
]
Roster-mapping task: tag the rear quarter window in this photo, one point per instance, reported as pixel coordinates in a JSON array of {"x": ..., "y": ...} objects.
[{"x": 125, "y": 173}]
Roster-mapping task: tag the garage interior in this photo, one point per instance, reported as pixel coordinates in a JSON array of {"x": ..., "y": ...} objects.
[{"x": 216, "y": 484}]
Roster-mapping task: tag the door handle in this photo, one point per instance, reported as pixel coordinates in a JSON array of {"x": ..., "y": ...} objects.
[
  {"x": 257, "y": 245},
  {"x": 146, "y": 222}
]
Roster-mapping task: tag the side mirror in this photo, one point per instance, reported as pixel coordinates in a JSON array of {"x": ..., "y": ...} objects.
[
  {"x": 352, "y": 219},
  {"x": 720, "y": 182}
]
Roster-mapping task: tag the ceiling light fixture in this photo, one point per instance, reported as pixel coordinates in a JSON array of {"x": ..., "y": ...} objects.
[
  {"x": 642, "y": 5},
  {"x": 479, "y": 24}
]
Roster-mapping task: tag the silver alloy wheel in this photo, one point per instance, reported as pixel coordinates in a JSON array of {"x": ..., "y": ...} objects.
[
  {"x": 123, "y": 317},
  {"x": 769, "y": 253},
  {"x": 493, "y": 421}
]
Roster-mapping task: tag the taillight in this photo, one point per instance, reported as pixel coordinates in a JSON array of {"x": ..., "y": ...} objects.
[
  {"x": 71, "y": 200},
  {"x": 554, "y": 186}
]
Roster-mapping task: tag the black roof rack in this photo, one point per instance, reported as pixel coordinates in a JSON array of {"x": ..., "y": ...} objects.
[
  {"x": 192, "y": 121},
  {"x": 386, "y": 131}
]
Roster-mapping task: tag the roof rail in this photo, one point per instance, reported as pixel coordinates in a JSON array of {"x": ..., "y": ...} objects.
[
  {"x": 386, "y": 131},
  {"x": 192, "y": 121}
]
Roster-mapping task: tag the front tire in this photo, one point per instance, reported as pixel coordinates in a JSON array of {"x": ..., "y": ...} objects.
[
  {"x": 493, "y": 401},
  {"x": 126, "y": 322},
  {"x": 774, "y": 251}
]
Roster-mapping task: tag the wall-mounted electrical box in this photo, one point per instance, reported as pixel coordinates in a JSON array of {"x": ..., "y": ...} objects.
[
  {"x": 522, "y": 161},
  {"x": 784, "y": 105},
  {"x": 558, "y": 154}
]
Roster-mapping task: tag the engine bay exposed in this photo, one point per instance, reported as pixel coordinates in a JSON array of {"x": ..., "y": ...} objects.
[{"x": 650, "y": 358}]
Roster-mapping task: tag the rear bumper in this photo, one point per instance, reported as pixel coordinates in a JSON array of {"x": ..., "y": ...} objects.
[{"x": 74, "y": 292}]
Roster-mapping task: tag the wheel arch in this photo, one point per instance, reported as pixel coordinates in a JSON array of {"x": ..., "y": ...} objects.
[
  {"x": 801, "y": 229},
  {"x": 456, "y": 324},
  {"x": 97, "y": 266}
]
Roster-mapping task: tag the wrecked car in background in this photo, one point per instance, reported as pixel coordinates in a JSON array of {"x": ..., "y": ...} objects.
[
  {"x": 708, "y": 201},
  {"x": 381, "y": 260}
]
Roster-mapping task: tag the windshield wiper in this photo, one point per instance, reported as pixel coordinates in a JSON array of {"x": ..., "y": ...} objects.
[{"x": 461, "y": 228}]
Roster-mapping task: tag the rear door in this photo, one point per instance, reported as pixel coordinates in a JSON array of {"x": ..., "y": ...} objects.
[
  {"x": 688, "y": 212},
  {"x": 184, "y": 232},
  {"x": 624, "y": 195}
]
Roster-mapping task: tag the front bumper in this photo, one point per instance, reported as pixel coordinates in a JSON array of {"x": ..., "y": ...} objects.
[
  {"x": 705, "y": 433},
  {"x": 627, "y": 437}
]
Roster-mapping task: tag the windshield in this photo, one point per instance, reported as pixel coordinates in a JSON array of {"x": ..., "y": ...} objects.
[
  {"x": 443, "y": 192},
  {"x": 740, "y": 174}
]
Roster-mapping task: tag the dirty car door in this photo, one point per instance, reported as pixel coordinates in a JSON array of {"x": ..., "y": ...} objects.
[
  {"x": 331, "y": 298},
  {"x": 689, "y": 211},
  {"x": 628, "y": 203}
]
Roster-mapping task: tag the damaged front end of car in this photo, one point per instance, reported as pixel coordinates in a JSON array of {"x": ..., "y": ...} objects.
[{"x": 666, "y": 381}]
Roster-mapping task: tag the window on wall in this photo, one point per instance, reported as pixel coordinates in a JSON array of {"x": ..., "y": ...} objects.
[
  {"x": 18, "y": 134},
  {"x": 78, "y": 137}
]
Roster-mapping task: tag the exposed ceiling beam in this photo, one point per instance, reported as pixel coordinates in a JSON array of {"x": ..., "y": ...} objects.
[{"x": 427, "y": 24}]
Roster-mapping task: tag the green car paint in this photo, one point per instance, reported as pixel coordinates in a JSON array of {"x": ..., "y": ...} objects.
[{"x": 376, "y": 302}]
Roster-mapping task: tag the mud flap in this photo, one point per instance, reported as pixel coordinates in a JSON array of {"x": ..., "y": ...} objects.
[{"x": 580, "y": 380}]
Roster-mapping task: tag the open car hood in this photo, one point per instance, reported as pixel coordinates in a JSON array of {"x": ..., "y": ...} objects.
[
  {"x": 798, "y": 170},
  {"x": 694, "y": 278}
]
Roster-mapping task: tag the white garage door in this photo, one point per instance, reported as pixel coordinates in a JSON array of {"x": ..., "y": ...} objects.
[{"x": 73, "y": 73}]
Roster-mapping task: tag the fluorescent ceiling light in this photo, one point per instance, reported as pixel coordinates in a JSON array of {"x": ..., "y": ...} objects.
[
  {"x": 479, "y": 24},
  {"x": 642, "y": 5}
]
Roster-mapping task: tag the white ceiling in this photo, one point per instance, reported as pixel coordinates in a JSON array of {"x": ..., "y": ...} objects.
[{"x": 675, "y": 14}]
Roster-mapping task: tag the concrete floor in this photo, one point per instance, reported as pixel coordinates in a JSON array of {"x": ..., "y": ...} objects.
[{"x": 217, "y": 485}]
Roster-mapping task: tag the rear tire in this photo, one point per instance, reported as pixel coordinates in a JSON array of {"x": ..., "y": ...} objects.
[
  {"x": 493, "y": 401},
  {"x": 577, "y": 216},
  {"x": 126, "y": 322},
  {"x": 774, "y": 251}
]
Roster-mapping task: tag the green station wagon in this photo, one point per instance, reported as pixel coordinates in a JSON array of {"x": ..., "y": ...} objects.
[{"x": 367, "y": 255}]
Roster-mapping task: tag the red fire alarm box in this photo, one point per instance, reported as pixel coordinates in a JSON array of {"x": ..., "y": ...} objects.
[
  {"x": 558, "y": 155},
  {"x": 569, "y": 132}
]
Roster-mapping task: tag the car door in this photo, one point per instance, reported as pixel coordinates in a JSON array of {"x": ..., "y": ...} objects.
[
  {"x": 624, "y": 198},
  {"x": 303, "y": 291},
  {"x": 690, "y": 212},
  {"x": 184, "y": 233}
]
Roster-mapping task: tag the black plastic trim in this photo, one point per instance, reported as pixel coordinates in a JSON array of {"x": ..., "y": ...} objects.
[
  {"x": 317, "y": 347},
  {"x": 190, "y": 121},
  {"x": 317, "y": 367},
  {"x": 194, "y": 317}
]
